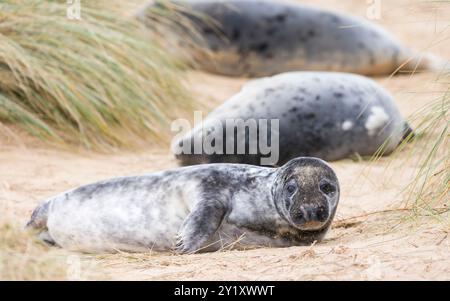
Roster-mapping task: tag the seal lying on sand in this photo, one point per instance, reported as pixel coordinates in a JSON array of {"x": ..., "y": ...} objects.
[
  {"x": 206, "y": 207},
  {"x": 262, "y": 37},
  {"x": 321, "y": 114}
]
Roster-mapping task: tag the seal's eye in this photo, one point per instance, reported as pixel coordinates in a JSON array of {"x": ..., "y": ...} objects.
[
  {"x": 327, "y": 188},
  {"x": 291, "y": 188}
]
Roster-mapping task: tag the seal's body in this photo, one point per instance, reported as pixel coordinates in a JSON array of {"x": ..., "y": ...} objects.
[
  {"x": 321, "y": 114},
  {"x": 262, "y": 37},
  {"x": 206, "y": 207}
]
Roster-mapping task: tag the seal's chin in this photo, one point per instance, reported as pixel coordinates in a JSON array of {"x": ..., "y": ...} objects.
[
  {"x": 310, "y": 226},
  {"x": 303, "y": 224}
]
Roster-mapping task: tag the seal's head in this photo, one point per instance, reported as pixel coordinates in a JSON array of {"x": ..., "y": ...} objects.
[{"x": 306, "y": 193}]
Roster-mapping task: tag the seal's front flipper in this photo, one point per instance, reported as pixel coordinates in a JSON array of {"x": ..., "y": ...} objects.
[{"x": 200, "y": 226}]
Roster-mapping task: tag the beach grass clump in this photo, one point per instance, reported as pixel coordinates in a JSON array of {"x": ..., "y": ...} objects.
[
  {"x": 429, "y": 191},
  {"x": 423, "y": 160},
  {"x": 103, "y": 81},
  {"x": 22, "y": 258},
  {"x": 426, "y": 154},
  {"x": 181, "y": 29}
]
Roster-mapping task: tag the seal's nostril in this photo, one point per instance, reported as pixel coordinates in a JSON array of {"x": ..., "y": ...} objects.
[
  {"x": 306, "y": 213},
  {"x": 322, "y": 214},
  {"x": 298, "y": 216}
]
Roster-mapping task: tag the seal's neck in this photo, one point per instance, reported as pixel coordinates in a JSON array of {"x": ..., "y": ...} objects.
[{"x": 254, "y": 207}]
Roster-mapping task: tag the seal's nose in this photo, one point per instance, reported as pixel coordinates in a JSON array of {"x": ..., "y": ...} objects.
[{"x": 312, "y": 213}]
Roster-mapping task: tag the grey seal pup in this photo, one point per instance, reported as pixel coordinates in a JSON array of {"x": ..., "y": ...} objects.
[
  {"x": 261, "y": 37},
  {"x": 197, "y": 208},
  {"x": 320, "y": 114}
]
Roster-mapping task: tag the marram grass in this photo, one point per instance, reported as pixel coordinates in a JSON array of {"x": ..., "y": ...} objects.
[
  {"x": 429, "y": 191},
  {"x": 24, "y": 257},
  {"x": 101, "y": 82},
  {"x": 428, "y": 152}
]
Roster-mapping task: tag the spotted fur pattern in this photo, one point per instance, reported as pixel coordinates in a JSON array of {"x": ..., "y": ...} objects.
[
  {"x": 328, "y": 115},
  {"x": 266, "y": 37},
  {"x": 190, "y": 209}
]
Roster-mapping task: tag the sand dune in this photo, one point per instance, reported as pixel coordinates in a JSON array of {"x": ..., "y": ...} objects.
[{"x": 370, "y": 238}]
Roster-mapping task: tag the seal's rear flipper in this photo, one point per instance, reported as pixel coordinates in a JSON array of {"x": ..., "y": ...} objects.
[
  {"x": 39, "y": 217},
  {"x": 414, "y": 62},
  {"x": 45, "y": 237},
  {"x": 408, "y": 133},
  {"x": 38, "y": 223}
]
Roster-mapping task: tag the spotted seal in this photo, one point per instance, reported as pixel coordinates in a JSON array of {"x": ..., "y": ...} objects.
[
  {"x": 261, "y": 38},
  {"x": 206, "y": 207},
  {"x": 328, "y": 115}
]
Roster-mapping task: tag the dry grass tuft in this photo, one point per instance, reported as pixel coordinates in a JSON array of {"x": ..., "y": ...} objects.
[
  {"x": 100, "y": 82},
  {"x": 22, "y": 258},
  {"x": 430, "y": 189}
]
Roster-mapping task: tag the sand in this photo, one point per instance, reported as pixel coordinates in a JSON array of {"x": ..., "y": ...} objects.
[{"x": 371, "y": 238}]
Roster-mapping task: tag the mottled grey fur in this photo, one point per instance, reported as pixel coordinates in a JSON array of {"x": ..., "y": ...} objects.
[
  {"x": 321, "y": 114},
  {"x": 198, "y": 208},
  {"x": 262, "y": 37}
]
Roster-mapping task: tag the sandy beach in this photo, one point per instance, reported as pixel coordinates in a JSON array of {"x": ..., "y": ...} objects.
[{"x": 372, "y": 237}]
